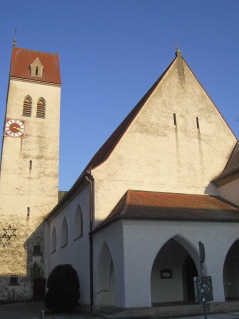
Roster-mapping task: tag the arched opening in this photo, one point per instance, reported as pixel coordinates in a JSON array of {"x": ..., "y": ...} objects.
[
  {"x": 27, "y": 106},
  {"x": 41, "y": 108},
  {"x": 64, "y": 234},
  {"x": 231, "y": 272},
  {"x": 78, "y": 223},
  {"x": 105, "y": 294},
  {"x": 172, "y": 273}
]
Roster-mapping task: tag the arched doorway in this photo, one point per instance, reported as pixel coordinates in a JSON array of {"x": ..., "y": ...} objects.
[
  {"x": 105, "y": 294},
  {"x": 39, "y": 289},
  {"x": 189, "y": 272},
  {"x": 176, "y": 284},
  {"x": 231, "y": 272}
]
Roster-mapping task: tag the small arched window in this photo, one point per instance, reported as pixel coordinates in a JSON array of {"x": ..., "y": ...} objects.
[
  {"x": 41, "y": 108},
  {"x": 78, "y": 223},
  {"x": 53, "y": 242},
  {"x": 64, "y": 234},
  {"x": 27, "y": 107}
]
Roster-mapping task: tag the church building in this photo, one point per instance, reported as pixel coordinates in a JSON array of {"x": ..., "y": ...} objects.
[{"x": 166, "y": 179}]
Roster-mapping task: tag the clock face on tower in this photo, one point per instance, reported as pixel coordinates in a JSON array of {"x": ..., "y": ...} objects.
[{"x": 14, "y": 128}]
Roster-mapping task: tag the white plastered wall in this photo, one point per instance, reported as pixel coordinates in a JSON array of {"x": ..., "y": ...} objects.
[
  {"x": 156, "y": 155},
  {"x": 142, "y": 242},
  {"x": 112, "y": 237},
  {"x": 230, "y": 191},
  {"x": 76, "y": 252}
]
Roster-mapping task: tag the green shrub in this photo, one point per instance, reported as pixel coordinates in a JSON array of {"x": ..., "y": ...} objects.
[{"x": 63, "y": 289}]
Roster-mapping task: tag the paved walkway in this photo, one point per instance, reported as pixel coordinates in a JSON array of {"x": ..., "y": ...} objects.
[
  {"x": 234, "y": 315},
  {"x": 32, "y": 310}
]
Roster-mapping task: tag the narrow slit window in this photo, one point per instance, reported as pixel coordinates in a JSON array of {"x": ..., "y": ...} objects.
[
  {"x": 64, "y": 234},
  {"x": 30, "y": 164},
  {"x": 28, "y": 211},
  {"x": 36, "y": 70},
  {"x": 41, "y": 109},
  {"x": 54, "y": 240},
  {"x": 14, "y": 280},
  {"x": 37, "y": 250},
  {"x": 174, "y": 119},
  {"x": 27, "y": 107},
  {"x": 197, "y": 122}
]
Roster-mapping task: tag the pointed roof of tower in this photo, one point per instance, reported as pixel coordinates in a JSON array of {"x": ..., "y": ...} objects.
[{"x": 22, "y": 59}]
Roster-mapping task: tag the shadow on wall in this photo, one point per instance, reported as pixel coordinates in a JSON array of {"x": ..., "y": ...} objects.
[
  {"x": 35, "y": 248},
  {"x": 211, "y": 189},
  {"x": 22, "y": 269}
]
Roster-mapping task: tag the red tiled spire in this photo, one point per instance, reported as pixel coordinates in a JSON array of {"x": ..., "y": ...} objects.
[{"x": 23, "y": 58}]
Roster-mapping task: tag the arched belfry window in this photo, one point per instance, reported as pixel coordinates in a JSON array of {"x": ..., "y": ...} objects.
[
  {"x": 78, "y": 223},
  {"x": 27, "y": 106},
  {"x": 64, "y": 233},
  {"x": 41, "y": 108}
]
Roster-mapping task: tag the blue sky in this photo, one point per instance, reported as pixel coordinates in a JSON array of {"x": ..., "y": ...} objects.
[{"x": 112, "y": 51}]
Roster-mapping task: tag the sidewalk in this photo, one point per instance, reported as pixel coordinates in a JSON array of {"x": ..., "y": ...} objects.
[
  {"x": 32, "y": 310},
  {"x": 234, "y": 315}
]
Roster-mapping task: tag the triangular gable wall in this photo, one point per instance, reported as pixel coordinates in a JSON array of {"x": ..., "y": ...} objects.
[{"x": 177, "y": 142}]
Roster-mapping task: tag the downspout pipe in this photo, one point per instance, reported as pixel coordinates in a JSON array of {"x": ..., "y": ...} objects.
[{"x": 89, "y": 179}]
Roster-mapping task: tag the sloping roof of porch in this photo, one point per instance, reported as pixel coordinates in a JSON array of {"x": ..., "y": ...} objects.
[
  {"x": 172, "y": 206},
  {"x": 231, "y": 170}
]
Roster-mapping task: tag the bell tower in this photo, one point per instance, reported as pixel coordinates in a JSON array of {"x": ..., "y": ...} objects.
[{"x": 29, "y": 169}]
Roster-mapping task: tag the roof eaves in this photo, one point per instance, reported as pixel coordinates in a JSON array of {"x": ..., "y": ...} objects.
[
  {"x": 231, "y": 170},
  {"x": 67, "y": 197},
  {"x": 117, "y": 212},
  {"x": 226, "y": 178},
  {"x": 185, "y": 219},
  {"x": 33, "y": 80},
  {"x": 123, "y": 210}
]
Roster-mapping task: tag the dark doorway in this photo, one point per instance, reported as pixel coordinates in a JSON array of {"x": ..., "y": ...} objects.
[
  {"x": 189, "y": 272},
  {"x": 231, "y": 273},
  {"x": 39, "y": 289}
]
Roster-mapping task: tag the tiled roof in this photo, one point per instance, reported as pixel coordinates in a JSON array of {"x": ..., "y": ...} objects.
[
  {"x": 170, "y": 206},
  {"x": 23, "y": 58},
  {"x": 231, "y": 170}
]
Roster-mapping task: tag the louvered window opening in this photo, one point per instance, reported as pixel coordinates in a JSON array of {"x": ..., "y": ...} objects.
[
  {"x": 40, "y": 109},
  {"x": 27, "y": 107}
]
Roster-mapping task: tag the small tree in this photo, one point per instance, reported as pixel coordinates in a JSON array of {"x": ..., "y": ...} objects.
[{"x": 63, "y": 289}]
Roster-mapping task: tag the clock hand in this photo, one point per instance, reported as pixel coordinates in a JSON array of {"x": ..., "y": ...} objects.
[{"x": 17, "y": 128}]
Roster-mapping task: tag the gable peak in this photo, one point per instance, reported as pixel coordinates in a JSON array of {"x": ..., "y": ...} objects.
[
  {"x": 36, "y": 68},
  {"x": 178, "y": 53}
]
